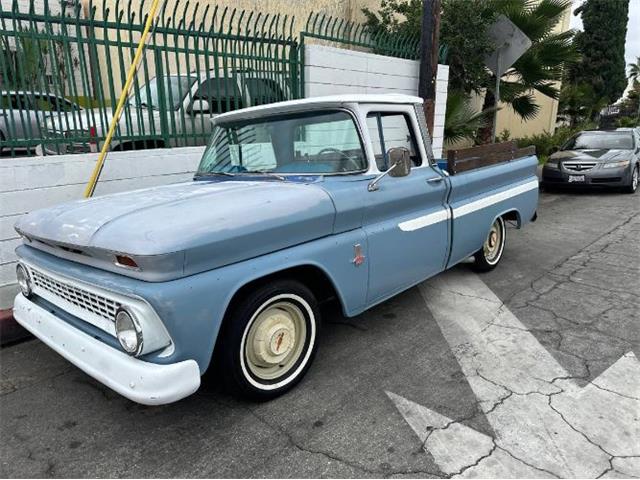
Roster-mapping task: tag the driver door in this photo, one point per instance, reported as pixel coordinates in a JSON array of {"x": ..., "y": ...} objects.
[{"x": 406, "y": 219}]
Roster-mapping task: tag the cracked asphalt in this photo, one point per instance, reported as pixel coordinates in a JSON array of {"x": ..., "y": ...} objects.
[{"x": 568, "y": 285}]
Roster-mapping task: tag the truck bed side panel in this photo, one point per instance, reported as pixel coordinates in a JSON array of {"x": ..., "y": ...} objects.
[{"x": 479, "y": 196}]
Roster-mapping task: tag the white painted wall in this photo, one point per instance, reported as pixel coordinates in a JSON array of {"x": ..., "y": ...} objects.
[
  {"x": 30, "y": 183},
  {"x": 330, "y": 70}
]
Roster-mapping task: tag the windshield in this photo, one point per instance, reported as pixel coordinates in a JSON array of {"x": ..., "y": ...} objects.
[
  {"x": 174, "y": 89},
  {"x": 600, "y": 140},
  {"x": 311, "y": 143}
]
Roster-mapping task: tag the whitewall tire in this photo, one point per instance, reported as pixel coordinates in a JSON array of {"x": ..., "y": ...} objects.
[
  {"x": 269, "y": 340},
  {"x": 488, "y": 257}
]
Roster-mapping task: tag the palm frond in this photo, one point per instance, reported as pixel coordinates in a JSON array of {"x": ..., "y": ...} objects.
[
  {"x": 525, "y": 106},
  {"x": 462, "y": 121}
]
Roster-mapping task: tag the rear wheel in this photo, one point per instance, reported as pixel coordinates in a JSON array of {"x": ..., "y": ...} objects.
[
  {"x": 269, "y": 340},
  {"x": 488, "y": 257},
  {"x": 633, "y": 185}
]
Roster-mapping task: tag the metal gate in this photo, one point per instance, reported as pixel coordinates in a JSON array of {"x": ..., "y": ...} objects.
[{"x": 62, "y": 71}]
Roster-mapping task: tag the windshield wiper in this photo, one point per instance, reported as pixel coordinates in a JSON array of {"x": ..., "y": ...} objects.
[
  {"x": 214, "y": 174},
  {"x": 270, "y": 174}
]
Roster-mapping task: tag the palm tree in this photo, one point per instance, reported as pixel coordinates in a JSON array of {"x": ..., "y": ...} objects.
[
  {"x": 542, "y": 65},
  {"x": 461, "y": 120},
  {"x": 634, "y": 76},
  {"x": 580, "y": 103},
  {"x": 634, "y": 70}
]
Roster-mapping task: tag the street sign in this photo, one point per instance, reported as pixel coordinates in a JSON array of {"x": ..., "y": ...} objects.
[{"x": 510, "y": 43}]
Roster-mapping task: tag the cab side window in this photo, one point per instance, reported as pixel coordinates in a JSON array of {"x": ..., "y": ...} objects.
[{"x": 391, "y": 130}]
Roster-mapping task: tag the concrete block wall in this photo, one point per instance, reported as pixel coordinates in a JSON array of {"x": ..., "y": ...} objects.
[
  {"x": 330, "y": 71},
  {"x": 30, "y": 183}
]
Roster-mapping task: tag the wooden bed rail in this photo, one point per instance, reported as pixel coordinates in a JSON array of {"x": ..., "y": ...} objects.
[{"x": 466, "y": 159}]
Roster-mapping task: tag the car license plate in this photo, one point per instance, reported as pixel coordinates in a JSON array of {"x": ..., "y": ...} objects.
[{"x": 576, "y": 178}]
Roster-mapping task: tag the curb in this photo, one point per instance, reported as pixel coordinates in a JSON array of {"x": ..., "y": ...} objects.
[{"x": 10, "y": 330}]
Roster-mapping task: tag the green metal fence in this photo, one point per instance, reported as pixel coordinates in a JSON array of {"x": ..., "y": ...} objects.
[
  {"x": 61, "y": 73},
  {"x": 338, "y": 31},
  {"x": 62, "y": 69}
]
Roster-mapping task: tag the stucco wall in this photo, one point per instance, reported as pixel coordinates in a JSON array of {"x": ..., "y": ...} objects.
[
  {"x": 331, "y": 70},
  {"x": 30, "y": 183}
]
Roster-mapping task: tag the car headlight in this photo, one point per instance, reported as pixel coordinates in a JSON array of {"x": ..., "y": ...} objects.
[
  {"x": 128, "y": 332},
  {"x": 24, "y": 281},
  {"x": 553, "y": 163},
  {"x": 620, "y": 164}
]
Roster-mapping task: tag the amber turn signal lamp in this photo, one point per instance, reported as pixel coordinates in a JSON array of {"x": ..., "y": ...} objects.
[{"x": 125, "y": 261}]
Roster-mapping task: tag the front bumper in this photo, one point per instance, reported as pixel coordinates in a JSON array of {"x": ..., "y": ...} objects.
[
  {"x": 596, "y": 177},
  {"x": 140, "y": 381}
]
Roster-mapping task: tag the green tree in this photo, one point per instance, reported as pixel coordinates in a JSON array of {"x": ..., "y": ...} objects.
[
  {"x": 579, "y": 103},
  {"x": 464, "y": 27},
  {"x": 634, "y": 70},
  {"x": 540, "y": 67},
  {"x": 601, "y": 45},
  {"x": 463, "y": 30}
]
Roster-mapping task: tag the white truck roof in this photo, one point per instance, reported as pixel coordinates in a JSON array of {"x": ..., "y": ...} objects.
[{"x": 316, "y": 102}]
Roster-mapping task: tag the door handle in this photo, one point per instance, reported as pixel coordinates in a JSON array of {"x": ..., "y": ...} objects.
[{"x": 435, "y": 180}]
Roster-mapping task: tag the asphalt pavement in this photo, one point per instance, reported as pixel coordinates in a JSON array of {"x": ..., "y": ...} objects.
[{"x": 529, "y": 370}]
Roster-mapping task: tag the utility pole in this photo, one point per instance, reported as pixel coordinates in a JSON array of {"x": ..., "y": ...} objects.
[{"x": 429, "y": 48}]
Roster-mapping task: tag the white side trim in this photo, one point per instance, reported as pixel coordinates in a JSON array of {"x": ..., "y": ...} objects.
[
  {"x": 140, "y": 381},
  {"x": 424, "y": 221},
  {"x": 495, "y": 198}
]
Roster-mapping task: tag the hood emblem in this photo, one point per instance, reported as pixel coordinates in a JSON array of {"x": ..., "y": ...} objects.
[{"x": 358, "y": 258}]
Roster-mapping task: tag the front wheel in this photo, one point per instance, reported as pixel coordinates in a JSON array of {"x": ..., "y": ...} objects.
[
  {"x": 633, "y": 185},
  {"x": 270, "y": 340},
  {"x": 488, "y": 257}
]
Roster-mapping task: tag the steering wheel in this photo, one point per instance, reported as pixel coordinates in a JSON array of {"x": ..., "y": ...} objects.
[{"x": 356, "y": 165}]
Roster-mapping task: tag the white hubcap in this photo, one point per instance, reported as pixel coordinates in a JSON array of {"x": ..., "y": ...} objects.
[
  {"x": 493, "y": 243},
  {"x": 275, "y": 340}
]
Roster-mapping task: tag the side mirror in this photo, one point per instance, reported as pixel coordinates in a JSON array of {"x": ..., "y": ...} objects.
[
  {"x": 200, "y": 106},
  {"x": 553, "y": 150},
  {"x": 400, "y": 161}
]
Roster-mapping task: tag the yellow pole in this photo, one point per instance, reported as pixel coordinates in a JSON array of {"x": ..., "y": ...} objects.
[{"x": 91, "y": 186}]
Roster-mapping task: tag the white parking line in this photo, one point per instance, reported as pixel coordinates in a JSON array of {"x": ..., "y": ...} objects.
[{"x": 544, "y": 423}]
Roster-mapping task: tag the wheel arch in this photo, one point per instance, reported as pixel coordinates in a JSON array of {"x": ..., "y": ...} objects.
[
  {"x": 313, "y": 276},
  {"x": 512, "y": 214}
]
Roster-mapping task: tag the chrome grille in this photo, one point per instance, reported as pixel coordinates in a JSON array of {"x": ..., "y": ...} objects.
[
  {"x": 88, "y": 301},
  {"x": 579, "y": 166}
]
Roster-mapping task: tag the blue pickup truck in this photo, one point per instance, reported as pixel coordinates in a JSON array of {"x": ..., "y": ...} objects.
[{"x": 293, "y": 203}]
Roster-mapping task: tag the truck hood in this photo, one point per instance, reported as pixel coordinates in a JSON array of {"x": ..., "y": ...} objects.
[
  {"x": 599, "y": 155},
  {"x": 189, "y": 227}
]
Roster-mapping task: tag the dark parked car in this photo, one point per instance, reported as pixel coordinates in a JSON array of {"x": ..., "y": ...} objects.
[{"x": 606, "y": 158}]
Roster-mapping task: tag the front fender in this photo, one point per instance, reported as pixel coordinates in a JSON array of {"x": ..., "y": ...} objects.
[{"x": 192, "y": 308}]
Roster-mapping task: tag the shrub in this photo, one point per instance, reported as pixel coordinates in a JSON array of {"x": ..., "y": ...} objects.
[{"x": 545, "y": 141}]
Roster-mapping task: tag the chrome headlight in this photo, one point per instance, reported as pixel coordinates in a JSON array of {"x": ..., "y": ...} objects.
[
  {"x": 24, "y": 281},
  {"x": 128, "y": 332},
  {"x": 620, "y": 164}
]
